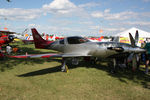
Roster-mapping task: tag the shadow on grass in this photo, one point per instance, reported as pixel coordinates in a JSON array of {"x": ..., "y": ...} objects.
[{"x": 41, "y": 72}]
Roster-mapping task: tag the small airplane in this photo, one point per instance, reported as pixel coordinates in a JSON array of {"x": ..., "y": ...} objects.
[
  {"x": 5, "y": 37},
  {"x": 28, "y": 39},
  {"x": 77, "y": 47},
  {"x": 25, "y": 37}
]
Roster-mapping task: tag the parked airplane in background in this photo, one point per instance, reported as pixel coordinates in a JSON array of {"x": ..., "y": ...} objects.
[
  {"x": 25, "y": 36},
  {"x": 77, "y": 47},
  {"x": 6, "y": 37},
  {"x": 28, "y": 38}
]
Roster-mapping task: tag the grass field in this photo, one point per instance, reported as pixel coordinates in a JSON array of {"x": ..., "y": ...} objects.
[{"x": 41, "y": 79}]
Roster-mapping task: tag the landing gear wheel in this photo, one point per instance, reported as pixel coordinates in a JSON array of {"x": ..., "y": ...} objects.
[{"x": 64, "y": 67}]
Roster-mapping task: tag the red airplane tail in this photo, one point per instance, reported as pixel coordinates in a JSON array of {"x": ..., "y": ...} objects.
[{"x": 38, "y": 40}]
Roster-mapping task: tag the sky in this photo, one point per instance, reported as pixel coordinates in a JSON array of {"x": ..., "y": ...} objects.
[{"x": 75, "y": 17}]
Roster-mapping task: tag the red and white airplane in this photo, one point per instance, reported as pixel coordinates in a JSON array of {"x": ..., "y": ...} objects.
[{"x": 5, "y": 37}]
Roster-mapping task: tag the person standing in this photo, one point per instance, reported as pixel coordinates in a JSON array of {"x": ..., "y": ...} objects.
[
  {"x": 8, "y": 49},
  {"x": 147, "y": 48}
]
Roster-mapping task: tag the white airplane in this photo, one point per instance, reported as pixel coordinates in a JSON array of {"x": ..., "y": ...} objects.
[{"x": 77, "y": 47}]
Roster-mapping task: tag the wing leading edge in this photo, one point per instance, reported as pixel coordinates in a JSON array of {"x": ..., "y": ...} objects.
[{"x": 47, "y": 55}]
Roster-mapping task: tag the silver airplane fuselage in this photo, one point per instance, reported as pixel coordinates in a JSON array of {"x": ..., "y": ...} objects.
[{"x": 96, "y": 49}]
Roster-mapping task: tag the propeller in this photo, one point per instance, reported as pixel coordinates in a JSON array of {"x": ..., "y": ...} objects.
[
  {"x": 134, "y": 41},
  {"x": 11, "y": 37},
  {"x": 133, "y": 57}
]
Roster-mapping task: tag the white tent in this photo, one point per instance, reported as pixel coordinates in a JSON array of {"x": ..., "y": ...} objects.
[{"x": 142, "y": 33}]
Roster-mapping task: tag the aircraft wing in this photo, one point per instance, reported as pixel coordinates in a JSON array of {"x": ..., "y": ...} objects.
[
  {"x": 47, "y": 55},
  {"x": 75, "y": 55}
]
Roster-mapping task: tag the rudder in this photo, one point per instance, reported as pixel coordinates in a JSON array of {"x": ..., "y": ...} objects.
[{"x": 38, "y": 40}]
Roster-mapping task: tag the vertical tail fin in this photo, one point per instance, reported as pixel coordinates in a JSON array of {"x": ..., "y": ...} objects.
[{"x": 38, "y": 40}]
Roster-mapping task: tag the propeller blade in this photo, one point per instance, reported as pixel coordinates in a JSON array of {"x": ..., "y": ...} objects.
[
  {"x": 132, "y": 40},
  {"x": 129, "y": 59},
  {"x": 136, "y": 37},
  {"x": 133, "y": 58}
]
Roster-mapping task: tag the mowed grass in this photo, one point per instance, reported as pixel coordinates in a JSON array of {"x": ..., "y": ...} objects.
[{"x": 41, "y": 79}]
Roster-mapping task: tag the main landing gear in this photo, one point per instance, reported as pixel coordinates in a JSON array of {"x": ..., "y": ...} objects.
[
  {"x": 125, "y": 63},
  {"x": 64, "y": 67}
]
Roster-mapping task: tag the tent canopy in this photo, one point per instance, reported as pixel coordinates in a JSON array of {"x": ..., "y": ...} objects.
[{"x": 142, "y": 33}]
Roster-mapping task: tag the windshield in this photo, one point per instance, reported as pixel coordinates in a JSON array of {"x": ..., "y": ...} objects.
[{"x": 76, "y": 40}]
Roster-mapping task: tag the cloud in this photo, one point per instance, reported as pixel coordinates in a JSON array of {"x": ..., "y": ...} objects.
[
  {"x": 141, "y": 23},
  {"x": 106, "y": 10},
  {"x": 85, "y": 22},
  {"x": 20, "y": 14},
  {"x": 110, "y": 29},
  {"x": 106, "y": 14},
  {"x": 114, "y": 16},
  {"x": 97, "y": 14},
  {"x": 65, "y": 8},
  {"x": 120, "y": 16},
  {"x": 146, "y": 0},
  {"x": 60, "y": 6},
  {"x": 89, "y": 5},
  {"x": 96, "y": 27},
  {"x": 145, "y": 14},
  {"x": 126, "y": 15}
]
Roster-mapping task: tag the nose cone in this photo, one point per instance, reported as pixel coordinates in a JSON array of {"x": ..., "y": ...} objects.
[{"x": 11, "y": 37}]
